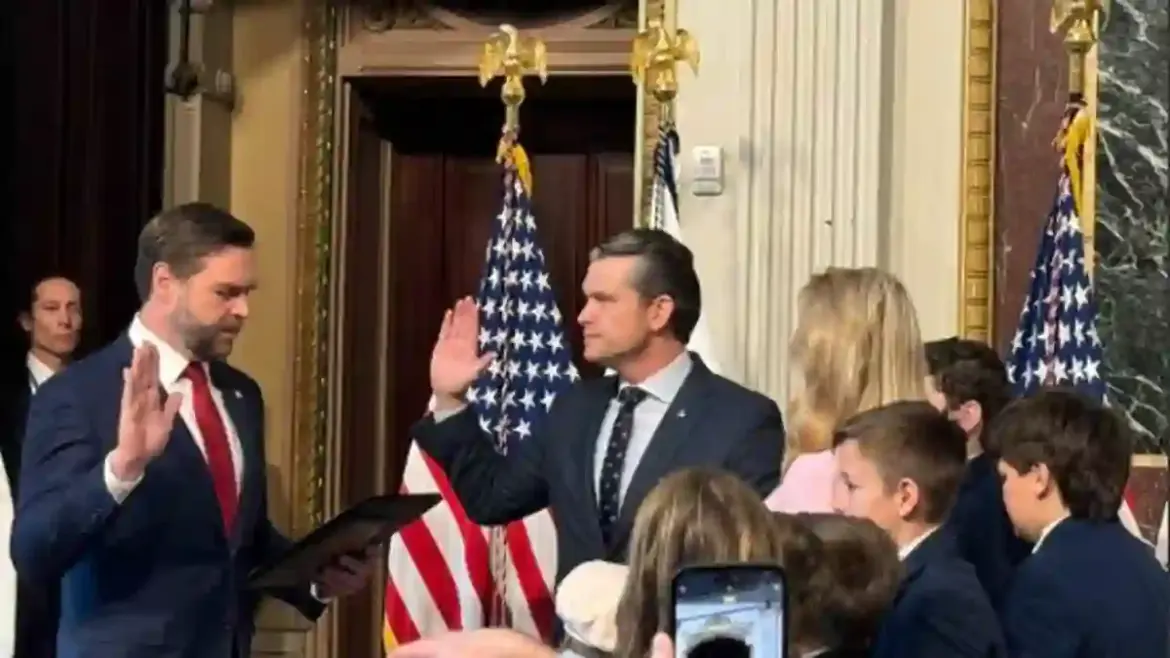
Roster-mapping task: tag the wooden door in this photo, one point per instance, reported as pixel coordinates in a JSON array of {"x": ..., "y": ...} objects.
[
  {"x": 438, "y": 239},
  {"x": 443, "y": 190}
]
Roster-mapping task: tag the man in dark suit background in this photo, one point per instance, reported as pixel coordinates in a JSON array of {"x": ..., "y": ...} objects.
[
  {"x": 605, "y": 442},
  {"x": 51, "y": 318},
  {"x": 151, "y": 525},
  {"x": 1090, "y": 589}
]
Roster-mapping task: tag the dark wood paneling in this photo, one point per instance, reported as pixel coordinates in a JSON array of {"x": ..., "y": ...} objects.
[
  {"x": 359, "y": 404},
  {"x": 1032, "y": 89}
]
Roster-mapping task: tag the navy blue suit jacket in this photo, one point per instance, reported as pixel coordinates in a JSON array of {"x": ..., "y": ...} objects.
[
  {"x": 1092, "y": 590},
  {"x": 986, "y": 537},
  {"x": 711, "y": 422},
  {"x": 940, "y": 610},
  {"x": 157, "y": 576}
]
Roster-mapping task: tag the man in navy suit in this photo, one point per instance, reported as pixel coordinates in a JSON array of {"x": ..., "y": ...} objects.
[
  {"x": 900, "y": 467},
  {"x": 605, "y": 443},
  {"x": 971, "y": 386},
  {"x": 151, "y": 525},
  {"x": 1090, "y": 589}
]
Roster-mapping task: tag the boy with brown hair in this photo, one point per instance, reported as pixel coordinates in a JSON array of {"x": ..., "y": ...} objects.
[
  {"x": 900, "y": 467},
  {"x": 1090, "y": 588},
  {"x": 970, "y": 385}
]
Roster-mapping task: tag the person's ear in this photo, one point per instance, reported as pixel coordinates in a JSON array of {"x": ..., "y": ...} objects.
[
  {"x": 1041, "y": 481},
  {"x": 26, "y": 322},
  {"x": 969, "y": 416},
  {"x": 908, "y": 497},
  {"x": 661, "y": 310}
]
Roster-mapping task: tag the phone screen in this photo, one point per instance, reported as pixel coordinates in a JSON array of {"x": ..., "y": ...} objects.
[{"x": 729, "y": 612}]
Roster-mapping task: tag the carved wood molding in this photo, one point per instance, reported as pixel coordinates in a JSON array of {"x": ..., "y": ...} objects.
[
  {"x": 383, "y": 15},
  {"x": 976, "y": 254}
]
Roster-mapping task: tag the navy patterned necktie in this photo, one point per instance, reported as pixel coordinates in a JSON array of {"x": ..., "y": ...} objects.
[{"x": 610, "y": 483}]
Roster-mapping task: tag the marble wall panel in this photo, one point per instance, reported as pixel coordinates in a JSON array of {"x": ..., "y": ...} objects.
[{"x": 1132, "y": 236}]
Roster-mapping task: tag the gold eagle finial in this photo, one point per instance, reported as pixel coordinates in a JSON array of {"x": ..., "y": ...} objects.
[
  {"x": 655, "y": 57},
  {"x": 508, "y": 55},
  {"x": 1080, "y": 21}
]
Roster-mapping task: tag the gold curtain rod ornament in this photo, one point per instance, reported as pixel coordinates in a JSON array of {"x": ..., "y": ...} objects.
[
  {"x": 508, "y": 55},
  {"x": 1079, "y": 20},
  {"x": 654, "y": 62}
]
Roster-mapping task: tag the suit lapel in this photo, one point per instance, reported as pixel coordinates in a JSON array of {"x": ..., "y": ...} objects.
[{"x": 681, "y": 419}]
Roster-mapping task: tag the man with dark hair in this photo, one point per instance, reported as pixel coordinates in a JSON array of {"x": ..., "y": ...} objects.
[
  {"x": 1090, "y": 588},
  {"x": 605, "y": 442},
  {"x": 900, "y": 467},
  {"x": 151, "y": 526},
  {"x": 970, "y": 385},
  {"x": 51, "y": 318}
]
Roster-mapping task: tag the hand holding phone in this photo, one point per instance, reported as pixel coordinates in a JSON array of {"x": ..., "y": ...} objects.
[{"x": 729, "y": 611}]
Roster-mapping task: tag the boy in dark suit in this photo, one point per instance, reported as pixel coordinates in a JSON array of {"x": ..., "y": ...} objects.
[
  {"x": 900, "y": 466},
  {"x": 1090, "y": 589},
  {"x": 971, "y": 386}
]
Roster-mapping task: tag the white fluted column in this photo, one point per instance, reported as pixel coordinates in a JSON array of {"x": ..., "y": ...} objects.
[{"x": 793, "y": 91}]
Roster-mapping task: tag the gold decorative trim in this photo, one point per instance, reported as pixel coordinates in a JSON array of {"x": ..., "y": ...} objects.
[
  {"x": 976, "y": 256},
  {"x": 314, "y": 233},
  {"x": 654, "y": 9}
]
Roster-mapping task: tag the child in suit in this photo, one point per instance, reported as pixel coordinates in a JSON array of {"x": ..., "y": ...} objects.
[
  {"x": 1090, "y": 589},
  {"x": 971, "y": 386},
  {"x": 900, "y": 466}
]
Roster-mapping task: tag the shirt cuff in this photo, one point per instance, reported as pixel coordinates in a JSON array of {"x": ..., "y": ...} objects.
[
  {"x": 443, "y": 414},
  {"x": 119, "y": 489}
]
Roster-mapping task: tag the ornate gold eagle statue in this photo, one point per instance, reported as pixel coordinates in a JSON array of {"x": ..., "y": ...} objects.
[
  {"x": 509, "y": 55},
  {"x": 1079, "y": 19},
  {"x": 655, "y": 54}
]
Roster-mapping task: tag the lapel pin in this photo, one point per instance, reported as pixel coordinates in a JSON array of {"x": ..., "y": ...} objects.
[
  {"x": 682, "y": 413},
  {"x": 238, "y": 394}
]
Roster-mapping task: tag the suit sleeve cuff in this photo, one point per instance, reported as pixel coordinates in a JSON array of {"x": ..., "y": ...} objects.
[{"x": 119, "y": 489}]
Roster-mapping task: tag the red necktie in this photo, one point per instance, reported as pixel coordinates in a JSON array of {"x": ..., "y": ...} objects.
[{"x": 215, "y": 442}]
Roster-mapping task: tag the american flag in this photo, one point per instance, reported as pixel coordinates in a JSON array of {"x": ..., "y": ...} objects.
[
  {"x": 1056, "y": 343},
  {"x": 446, "y": 573},
  {"x": 664, "y": 216}
]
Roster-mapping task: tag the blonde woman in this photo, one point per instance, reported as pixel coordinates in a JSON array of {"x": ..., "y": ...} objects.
[{"x": 856, "y": 347}]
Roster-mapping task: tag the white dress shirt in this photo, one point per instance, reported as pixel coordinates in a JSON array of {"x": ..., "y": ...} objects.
[
  {"x": 171, "y": 365},
  {"x": 38, "y": 372},
  {"x": 906, "y": 549},
  {"x": 661, "y": 389},
  {"x": 1047, "y": 531}
]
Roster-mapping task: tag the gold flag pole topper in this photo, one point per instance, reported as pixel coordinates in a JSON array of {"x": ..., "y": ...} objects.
[
  {"x": 508, "y": 55},
  {"x": 654, "y": 63},
  {"x": 1079, "y": 20}
]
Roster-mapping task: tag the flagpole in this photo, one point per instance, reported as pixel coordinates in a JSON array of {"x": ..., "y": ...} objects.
[
  {"x": 657, "y": 50},
  {"x": 1078, "y": 20},
  {"x": 508, "y": 55}
]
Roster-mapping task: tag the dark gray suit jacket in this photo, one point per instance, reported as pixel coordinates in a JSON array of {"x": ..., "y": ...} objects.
[{"x": 724, "y": 425}]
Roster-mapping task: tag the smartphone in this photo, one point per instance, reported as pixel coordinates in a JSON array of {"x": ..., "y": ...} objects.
[{"x": 729, "y": 611}]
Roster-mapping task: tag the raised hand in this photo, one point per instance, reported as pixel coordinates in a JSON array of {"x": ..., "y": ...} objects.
[
  {"x": 456, "y": 361},
  {"x": 144, "y": 418}
]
